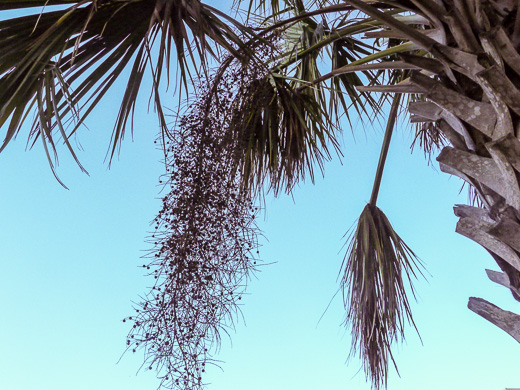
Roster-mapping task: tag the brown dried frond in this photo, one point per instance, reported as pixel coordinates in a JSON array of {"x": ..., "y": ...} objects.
[
  {"x": 374, "y": 271},
  {"x": 431, "y": 139}
]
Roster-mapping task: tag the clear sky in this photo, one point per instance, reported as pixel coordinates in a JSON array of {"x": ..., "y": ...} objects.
[{"x": 70, "y": 269}]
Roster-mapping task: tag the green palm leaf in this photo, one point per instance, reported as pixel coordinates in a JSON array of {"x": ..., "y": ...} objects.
[
  {"x": 285, "y": 133},
  {"x": 89, "y": 45}
]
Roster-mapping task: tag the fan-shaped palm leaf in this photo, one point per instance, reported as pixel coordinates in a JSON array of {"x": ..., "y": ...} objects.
[
  {"x": 374, "y": 271},
  {"x": 284, "y": 131},
  {"x": 89, "y": 45}
]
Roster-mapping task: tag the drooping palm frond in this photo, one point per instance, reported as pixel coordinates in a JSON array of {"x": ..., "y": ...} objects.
[
  {"x": 284, "y": 133},
  {"x": 374, "y": 274},
  {"x": 84, "y": 48},
  {"x": 430, "y": 139},
  {"x": 373, "y": 282}
]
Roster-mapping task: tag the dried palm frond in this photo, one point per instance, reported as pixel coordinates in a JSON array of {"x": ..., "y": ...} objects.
[
  {"x": 431, "y": 139},
  {"x": 373, "y": 281}
]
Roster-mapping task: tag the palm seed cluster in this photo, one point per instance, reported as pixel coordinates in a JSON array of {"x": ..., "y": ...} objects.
[{"x": 205, "y": 241}]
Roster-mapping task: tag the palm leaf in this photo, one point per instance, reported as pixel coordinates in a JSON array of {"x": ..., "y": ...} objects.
[
  {"x": 284, "y": 132},
  {"x": 89, "y": 45},
  {"x": 373, "y": 279},
  {"x": 341, "y": 42}
]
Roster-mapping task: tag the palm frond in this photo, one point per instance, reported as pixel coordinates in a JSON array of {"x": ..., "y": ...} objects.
[
  {"x": 372, "y": 280},
  {"x": 90, "y": 44},
  {"x": 431, "y": 139},
  {"x": 284, "y": 132},
  {"x": 374, "y": 271},
  {"x": 345, "y": 52},
  {"x": 341, "y": 41}
]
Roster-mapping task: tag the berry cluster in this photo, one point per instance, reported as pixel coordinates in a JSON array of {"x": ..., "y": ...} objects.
[{"x": 205, "y": 240}]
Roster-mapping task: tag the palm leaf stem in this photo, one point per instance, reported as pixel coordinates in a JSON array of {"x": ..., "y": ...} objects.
[
  {"x": 361, "y": 65},
  {"x": 384, "y": 148},
  {"x": 410, "y": 33}
]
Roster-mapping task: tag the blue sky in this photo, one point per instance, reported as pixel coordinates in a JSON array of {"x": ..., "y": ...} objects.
[{"x": 70, "y": 269}]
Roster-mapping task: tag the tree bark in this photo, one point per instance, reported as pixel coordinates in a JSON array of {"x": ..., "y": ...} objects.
[{"x": 505, "y": 320}]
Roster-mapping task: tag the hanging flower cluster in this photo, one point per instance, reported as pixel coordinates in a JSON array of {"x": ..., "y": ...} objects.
[{"x": 205, "y": 242}]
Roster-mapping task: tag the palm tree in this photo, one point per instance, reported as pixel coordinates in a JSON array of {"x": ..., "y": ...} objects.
[
  {"x": 457, "y": 60},
  {"x": 463, "y": 81},
  {"x": 472, "y": 98}
]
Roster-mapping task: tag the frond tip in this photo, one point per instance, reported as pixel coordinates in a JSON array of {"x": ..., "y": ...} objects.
[{"x": 374, "y": 291}]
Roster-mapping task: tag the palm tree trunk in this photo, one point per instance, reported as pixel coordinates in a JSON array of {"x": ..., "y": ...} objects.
[{"x": 479, "y": 114}]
